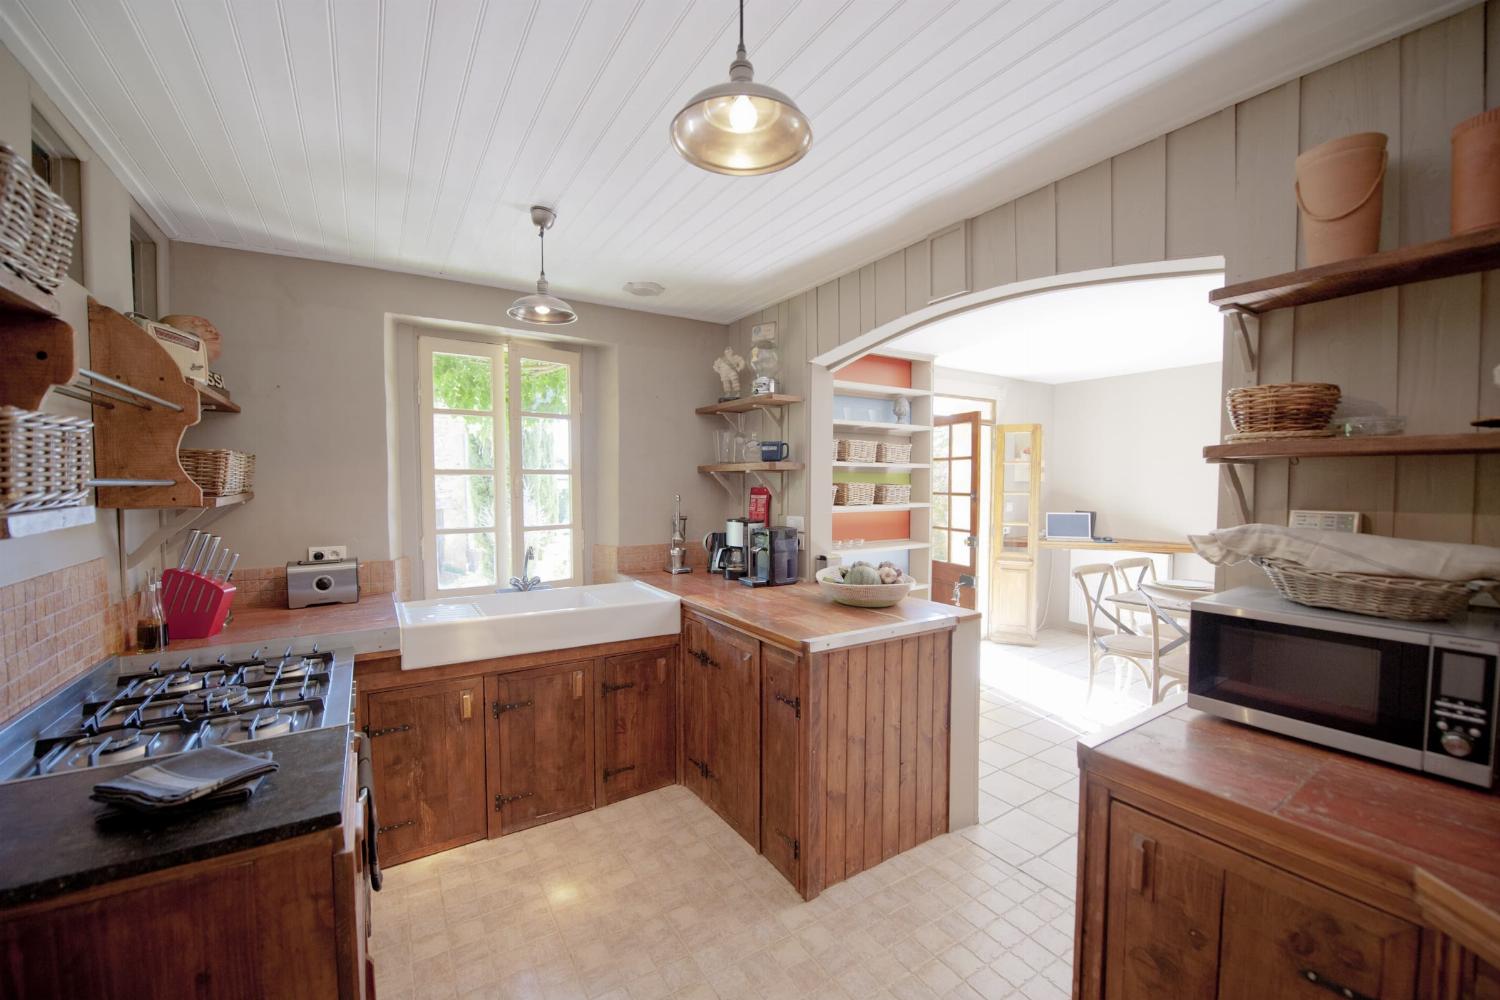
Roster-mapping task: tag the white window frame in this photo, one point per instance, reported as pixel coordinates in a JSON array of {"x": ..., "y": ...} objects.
[
  {"x": 519, "y": 350},
  {"x": 510, "y": 527}
]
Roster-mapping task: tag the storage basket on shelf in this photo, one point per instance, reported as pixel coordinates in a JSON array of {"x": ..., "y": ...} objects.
[
  {"x": 46, "y": 461},
  {"x": 15, "y": 205},
  {"x": 854, "y": 450},
  {"x": 37, "y": 226},
  {"x": 893, "y": 493},
  {"x": 853, "y": 494},
  {"x": 893, "y": 451},
  {"x": 1286, "y": 409},
  {"x": 220, "y": 472},
  {"x": 1405, "y": 598}
]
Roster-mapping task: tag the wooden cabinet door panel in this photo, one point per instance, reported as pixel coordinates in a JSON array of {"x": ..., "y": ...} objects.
[
  {"x": 543, "y": 747},
  {"x": 693, "y": 703},
  {"x": 1163, "y": 911},
  {"x": 1287, "y": 939},
  {"x": 427, "y": 753},
  {"x": 637, "y": 723},
  {"x": 780, "y": 829},
  {"x": 733, "y": 673}
]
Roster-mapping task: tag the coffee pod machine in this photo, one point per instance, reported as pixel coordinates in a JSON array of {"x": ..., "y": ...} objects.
[{"x": 772, "y": 558}]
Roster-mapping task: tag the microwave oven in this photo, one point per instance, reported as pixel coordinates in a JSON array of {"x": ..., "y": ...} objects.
[{"x": 1420, "y": 695}]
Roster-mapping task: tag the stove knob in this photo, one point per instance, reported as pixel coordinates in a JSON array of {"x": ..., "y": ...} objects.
[
  {"x": 1457, "y": 744},
  {"x": 1442, "y": 725},
  {"x": 1475, "y": 732}
]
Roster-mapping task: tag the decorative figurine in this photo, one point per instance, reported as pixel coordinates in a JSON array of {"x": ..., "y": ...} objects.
[
  {"x": 765, "y": 359},
  {"x": 902, "y": 408},
  {"x": 728, "y": 369}
]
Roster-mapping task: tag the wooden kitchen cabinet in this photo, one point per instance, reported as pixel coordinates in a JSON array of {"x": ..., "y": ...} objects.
[
  {"x": 541, "y": 748},
  {"x": 781, "y": 722},
  {"x": 721, "y": 722},
  {"x": 427, "y": 749},
  {"x": 637, "y": 727}
]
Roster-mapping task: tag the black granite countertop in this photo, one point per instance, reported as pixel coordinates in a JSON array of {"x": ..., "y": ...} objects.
[{"x": 50, "y": 844}]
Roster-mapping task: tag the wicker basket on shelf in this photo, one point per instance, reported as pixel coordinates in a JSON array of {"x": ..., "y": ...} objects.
[
  {"x": 46, "y": 461},
  {"x": 220, "y": 472},
  {"x": 854, "y": 450},
  {"x": 1399, "y": 597},
  {"x": 853, "y": 494},
  {"x": 15, "y": 205},
  {"x": 36, "y": 225},
  {"x": 893, "y": 493},
  {"x": 893, "y": 451},
  {"x": 1283, "y": 408}
]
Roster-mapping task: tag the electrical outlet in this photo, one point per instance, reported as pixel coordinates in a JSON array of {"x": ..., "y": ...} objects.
[{"x": 327, "y": 553}]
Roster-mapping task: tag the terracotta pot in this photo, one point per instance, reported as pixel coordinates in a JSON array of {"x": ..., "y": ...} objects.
[
  {"x": 1476, "y": 173},
  {"x": 1339, "y": 190}
]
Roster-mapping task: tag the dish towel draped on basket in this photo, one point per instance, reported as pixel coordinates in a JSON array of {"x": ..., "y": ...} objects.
[{"x": 1342, "y": 552}]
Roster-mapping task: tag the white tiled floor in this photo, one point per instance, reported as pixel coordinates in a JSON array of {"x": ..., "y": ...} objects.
[{"x": 655, "y": 897}]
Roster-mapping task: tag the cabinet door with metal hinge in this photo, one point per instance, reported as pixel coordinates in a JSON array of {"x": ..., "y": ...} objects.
[
  {"x": 781, "y": 721},
  {"x": 427, "y": 752},
  {"x": 692, "y": 704},
  {"x": 541, "y": 746},
  {"x": 637, "y": 723},
  {"x": 733, "y": 758}
]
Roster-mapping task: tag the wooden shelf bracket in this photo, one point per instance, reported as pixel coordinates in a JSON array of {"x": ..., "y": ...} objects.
[
  {"x": 1248, "y": 345},
  {"x": 199, "y": 517},
  {"x": 1231, "y": 474}
]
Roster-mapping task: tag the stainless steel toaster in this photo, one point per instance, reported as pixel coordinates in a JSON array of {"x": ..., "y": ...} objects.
[{"x": 309, "y": 583}]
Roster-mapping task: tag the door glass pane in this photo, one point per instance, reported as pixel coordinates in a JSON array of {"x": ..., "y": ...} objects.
[
  {"x": 1017, "y": 445},
  {"x": 463, "y": 442},
  {"x": 940, "y": 544},
  {"x": 1016, "y": 510},
  {"x": 940, "y": 441},
  {"x": 939, "y": 509},
  {"x": 962, "y": 470},
  {"x": 464, "y": 501},
  {"x": 1017, "y": 477},
  {"x": 940, "y": 477},
  {"x": 462, "y": 382},
  {"x": 544, "y": 386},
  {"x": 960, "y": 513},
  {"x": 466, "y": 560},
  {"x": 552, "y": 555},
  {"x": 963, "y": 440},
  {"x": 547, "y": 499},
  {"x": 1013, "y": 540},
  {"x": 544, "y": 443}
]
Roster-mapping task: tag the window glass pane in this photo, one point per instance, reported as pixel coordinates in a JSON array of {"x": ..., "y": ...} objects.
[
  {"x": 547, "y": 499},
  {"x": 462, "y": 382},
  {"x": 462, "y": 442},
  {"x": 552, "y": 555},
  {"x": 960, "y": 512},
  {"x": 544, "y": 386},
  {"x": 544, "y": 443},
  {"x": 940, "y": 477},
  {"x": 464, "y": 501},
  {"x": 940, "y": 544},
  {"x": 466, "y": 560},
  {"x": 939, "y": 509},
  {"x": 1017, "y": 445},
  {"x": 962, "y": 470},
  {"x": 963, "y": 440},
  {"x": 940, "y": 441}
]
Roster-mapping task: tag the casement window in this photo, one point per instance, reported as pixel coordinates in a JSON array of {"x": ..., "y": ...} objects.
[{"x": 500, "y": 441}]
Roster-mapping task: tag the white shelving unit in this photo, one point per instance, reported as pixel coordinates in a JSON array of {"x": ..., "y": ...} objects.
[
  {"x": 884, "y": 427},
  {"x": 869, "y": 390}
]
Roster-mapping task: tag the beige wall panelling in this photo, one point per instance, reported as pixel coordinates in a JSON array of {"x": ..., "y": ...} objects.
[
  {"x": 848, "y": 307},
  {"x": 828, "y": 316},
  {"x": 1036, "y": 234},
  {"x": 948, "y": 262},
  {"x": 1442, "y": 83},
  {"x": 1085, "y": 220},
  {"x": 1200, "y": 185},
  {"x": 1265, "y": 242},
  {"x": 890, "y": 288},
  {"x": 810, "y": 322},
  {"x": 918, "y": 277},
  {"x": 867, "y": 279},
  {"x": 1487, "y": 490},
  {"x": 1138, "y": 203},
  {"x": 992, "y": 247},
  {"x": 1352, "y": 341}
]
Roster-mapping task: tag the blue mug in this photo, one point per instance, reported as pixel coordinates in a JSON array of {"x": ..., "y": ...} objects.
[{"x": 774, "y": 451}]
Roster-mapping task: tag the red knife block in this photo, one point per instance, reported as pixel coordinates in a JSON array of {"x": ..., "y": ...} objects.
[{"x": 194, "y": 604}]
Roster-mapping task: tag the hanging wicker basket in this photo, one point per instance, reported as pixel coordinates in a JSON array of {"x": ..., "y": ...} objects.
[
  {"x": 46, "y": 461},
  {"x": 1403, "y": 598}
]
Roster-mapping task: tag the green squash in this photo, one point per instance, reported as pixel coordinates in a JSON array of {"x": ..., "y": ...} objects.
[{"x": 862, "y": 574}]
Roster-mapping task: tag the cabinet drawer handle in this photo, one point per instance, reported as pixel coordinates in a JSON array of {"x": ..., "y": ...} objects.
[
  {"x": 466, "y": 706},
  {"x": 388, "y": 730},
  {"x": 1332, "y": 987},
  {"x": 1142, "y": 855},
  {"x": 578, "y": 684}
]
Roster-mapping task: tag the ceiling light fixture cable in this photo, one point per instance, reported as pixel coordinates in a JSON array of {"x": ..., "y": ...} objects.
[{"x": 542, "y": 308}]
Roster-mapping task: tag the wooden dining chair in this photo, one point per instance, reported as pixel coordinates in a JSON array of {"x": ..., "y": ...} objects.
[
  {"x": 1132, "y": 573},
  {"x": 1098, "y": 581},
  {"x": 1169, "y": 662}
]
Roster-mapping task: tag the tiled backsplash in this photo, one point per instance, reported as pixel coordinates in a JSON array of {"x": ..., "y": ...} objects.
[
  {"x": 611, "y": 560},
  {"x": 52, "y": 628},
  {"x": 265, "y": 586}
]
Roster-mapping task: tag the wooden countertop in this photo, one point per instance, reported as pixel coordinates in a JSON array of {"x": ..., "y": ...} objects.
[
  {"x": 1421, "y": 841},
  {"x": 798, "y": 616},
  {"x": 369, "y": 626}
]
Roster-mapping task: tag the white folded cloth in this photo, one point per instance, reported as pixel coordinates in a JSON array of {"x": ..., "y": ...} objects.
[{"x": 1343, "y": 552}]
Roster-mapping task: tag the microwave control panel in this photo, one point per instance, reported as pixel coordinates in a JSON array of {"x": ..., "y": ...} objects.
[{"x": 1463, "y": 699}]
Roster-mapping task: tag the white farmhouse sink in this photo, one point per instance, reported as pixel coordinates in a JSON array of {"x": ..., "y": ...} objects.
[{"x": 463, "y": 629}]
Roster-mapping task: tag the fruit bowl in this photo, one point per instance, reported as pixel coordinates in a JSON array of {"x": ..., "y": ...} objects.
[{"x": 863, "y": 595}]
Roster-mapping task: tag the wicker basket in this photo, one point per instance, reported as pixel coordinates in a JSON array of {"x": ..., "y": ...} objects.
[
  {"x": 1399, "y": 597},
  {"x": 893, "y": 451},
  {"x": 853, "y": 494},
  {"x": 854, "y": 450},
  {"x": 46, "y": 461},
  {"x": 1285, "y": 406},
  {"x": 863, "y": 595},
  {"x": 219, "y": 471},
  {"x": 15, "y": 205},
  {"x": 893, "y": 493},
  {"x": 49, "y": 246}
]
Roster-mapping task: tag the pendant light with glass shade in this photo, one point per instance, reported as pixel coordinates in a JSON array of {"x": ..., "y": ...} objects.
[
  {"x": 741, "y": 128},
  {"x": 542, "y": 308}
]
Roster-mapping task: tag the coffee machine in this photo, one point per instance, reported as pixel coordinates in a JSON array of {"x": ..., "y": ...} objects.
[
  {"x": 772, "y": 559},
  {"x": 730, "y": 552}
]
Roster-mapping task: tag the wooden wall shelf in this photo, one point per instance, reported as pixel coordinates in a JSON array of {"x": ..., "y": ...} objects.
[
  {"x": 1439, "y": 259},
  {"x": 216, "y": 400},
  {"x": 752, "y": 467},
  {"x": 17, "y": 295},
  {"x": 747, "y": 404},
  {"x": 1475, "y": 443}
]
